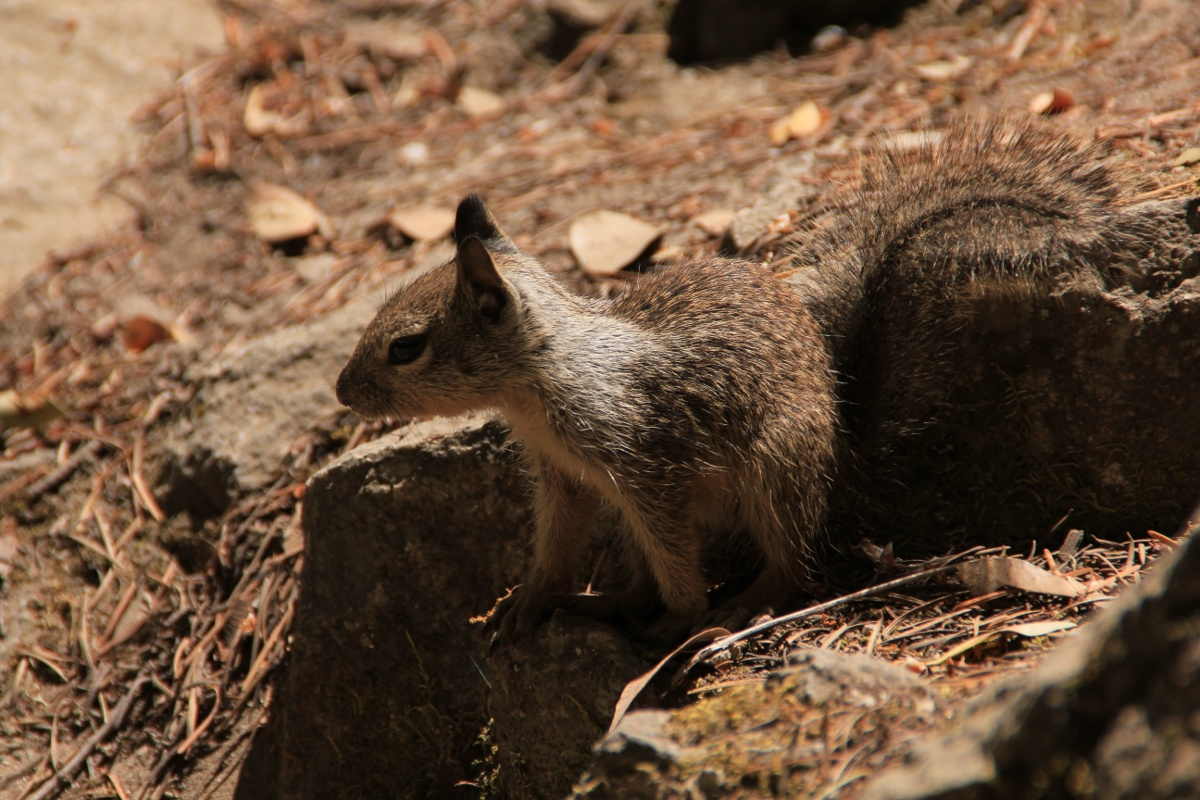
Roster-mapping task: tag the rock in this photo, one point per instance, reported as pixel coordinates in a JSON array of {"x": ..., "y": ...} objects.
[
  {"x": 406, "y": 539},
  {"x": 706, "y": 30},
  {"x": 777, "y": 197},
  {"x": 1078, "y": 405},
  {"x": 388, "y": 684},
  {"x": 253, "y": 401},
  {"x": 1110, "y": 714},
  {"x": 552, "y": 698},
  {"x": 762, "y": 733}
]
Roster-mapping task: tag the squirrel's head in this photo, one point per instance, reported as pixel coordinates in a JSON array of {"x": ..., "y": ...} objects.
[{"x": 449, "y": 341}]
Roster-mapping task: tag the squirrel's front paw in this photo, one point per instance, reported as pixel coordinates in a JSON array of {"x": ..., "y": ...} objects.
[{"x": 515, "y": 615}]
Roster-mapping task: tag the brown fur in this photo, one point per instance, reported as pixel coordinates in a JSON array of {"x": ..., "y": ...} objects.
[
  {"x": 704, "y": 400},
  {"x": 652, "y": 403},
  {"x": 996, "y": 206}
]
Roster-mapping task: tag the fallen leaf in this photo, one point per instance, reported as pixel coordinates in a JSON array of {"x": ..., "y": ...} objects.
[
  {"x": 415, "y": 153},
  {"x": 989, "y": 574},
  {"x": 278, "y": 214},
  {"x": 804, "y": 120},
  {"x": 635, "y": 686},
  {"x": 673, "y": 252},
  {"x": 20, "y": 412},
  {"x": 139, "y": 332},
  {"x": 423, "y": 223},
  {"x": 476, "y": 102},
  {"x": 946, "y": 70},
  {"x": 1052, "y": 102},
  {"x": 1031, "y": 630},
  {"x": 257, "y": 120},
  {"x": 1188, "y": 157},
  {"x": 715, "y": 222},
  {"x": 605, "y": 242}
]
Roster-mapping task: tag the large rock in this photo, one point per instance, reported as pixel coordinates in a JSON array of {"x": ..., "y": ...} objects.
[
  {"x": 406, "y": 539},
  {"x": 772, "y": 734},
  {"x": 552, "y": 698},
  {"x": 1111, "y": 714},
  {"x": 387, "y": 690},
  {"x": 1079, "y": 405},
  {"x": 708, "y": 30}
]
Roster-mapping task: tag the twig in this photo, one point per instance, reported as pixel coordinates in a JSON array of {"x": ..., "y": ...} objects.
[
  {"x": 560, "y": 91},
  {"x": 52, "y": 479},
  {"x": 871, "y": 591},
  {"x": 139, "y": 483},
  {"x": 63, "y": 776}
]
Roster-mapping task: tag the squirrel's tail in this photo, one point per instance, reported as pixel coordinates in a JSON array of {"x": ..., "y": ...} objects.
[{"x": 1001, "y": 206}]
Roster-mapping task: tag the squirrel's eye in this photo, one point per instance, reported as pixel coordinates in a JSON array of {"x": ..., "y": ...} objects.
[{"x": 406, "y": 349}]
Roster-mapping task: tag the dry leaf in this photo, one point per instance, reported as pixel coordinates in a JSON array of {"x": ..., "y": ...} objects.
[
  {"x": 989, "y": 574},
  {"x": 414, "y": 154},
  {"x": 278, "y": 214},
  {"x": 139, "y": 332},
  {"x": 804, "y": 120},
  {"x": 423, "y": 223},
  {"x": 673, "y": 252},
  {"x": 1188, "y": 157},
  {"x": 605, "y": 242},
  {"x": 1052, "y": 102},
  {"x": 477, "y": 102},
  {"x": 1031, "y": 630},
  {"x": 715, "y": 222},
  {"x": 20, "y": 412},
  {"x": 635, "y": 686},
  {"x": 944, "y": 70},
  {"x": 257, "y": 120}
]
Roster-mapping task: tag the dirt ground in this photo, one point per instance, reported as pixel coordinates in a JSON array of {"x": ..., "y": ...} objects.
[
  {"x": 74, "y": 74},
  {"x": 108, "y": 581}
]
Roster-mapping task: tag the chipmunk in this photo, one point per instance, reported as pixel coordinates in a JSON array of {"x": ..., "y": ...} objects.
[{"x": 711, "y": 398}]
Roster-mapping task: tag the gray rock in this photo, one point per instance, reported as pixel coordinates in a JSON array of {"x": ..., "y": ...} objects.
[
  {"x": 777, "y": 197},
  {"x": 389, "y": 688},
  {"x": 252, "y": 403},
  {"x": 552, "y": 698},
  {"x": 1079, "y": 405},
  {"x": 1111, "y": 714},
  {"x": 754, "y": 734},
  {"x": 384, "y": 696}
]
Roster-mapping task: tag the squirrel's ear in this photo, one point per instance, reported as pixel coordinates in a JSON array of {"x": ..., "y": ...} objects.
[
  {"x": 479, "y": 278},
  {"x": 474, "y": 219}
]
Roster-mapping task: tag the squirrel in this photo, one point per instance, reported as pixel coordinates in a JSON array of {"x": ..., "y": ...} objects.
[{"x": 713, "y": 399}]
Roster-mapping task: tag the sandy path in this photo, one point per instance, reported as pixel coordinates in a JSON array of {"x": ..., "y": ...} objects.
[{"x": 71, "y": 74}]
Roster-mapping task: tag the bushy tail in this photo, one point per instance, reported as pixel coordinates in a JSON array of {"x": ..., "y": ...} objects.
[{"x": 1000, "y": 206}]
